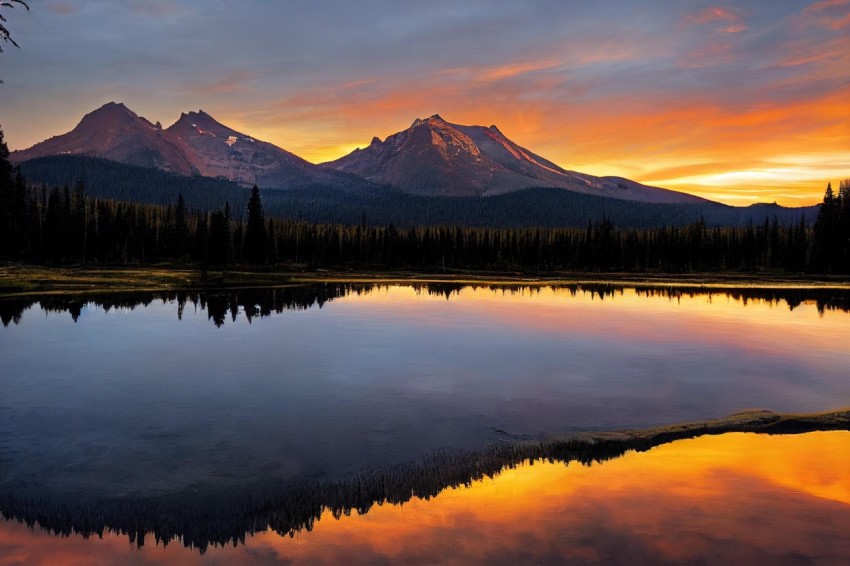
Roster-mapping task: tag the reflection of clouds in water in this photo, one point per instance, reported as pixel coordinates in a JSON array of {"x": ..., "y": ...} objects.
[
  {"x": 730, "y": 499},
  {"x": 737, "y": 498}
]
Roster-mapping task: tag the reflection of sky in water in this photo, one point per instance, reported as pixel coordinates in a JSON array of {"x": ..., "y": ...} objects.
[
  {"x": 731, "y": 499},
  {"x": 137, "y": 400}
]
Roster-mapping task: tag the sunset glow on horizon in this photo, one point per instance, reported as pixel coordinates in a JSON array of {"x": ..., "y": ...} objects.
[{"x": 737, "y": 102}]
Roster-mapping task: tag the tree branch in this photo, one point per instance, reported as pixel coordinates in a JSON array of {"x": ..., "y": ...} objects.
[{"x": 5, "y": 35}]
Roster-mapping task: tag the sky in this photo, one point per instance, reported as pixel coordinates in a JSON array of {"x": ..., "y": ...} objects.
[{"x": 738, "y": 102}]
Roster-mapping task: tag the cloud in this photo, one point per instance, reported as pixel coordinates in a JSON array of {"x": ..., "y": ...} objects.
[
  {"x": 731, "y": 22},
  {"x": 833, "y": 14},
  {"x": 230, "y": 82},
  {"x": 825, "y": 5},
  {"x": 157, "y": 9},
  {"x": 61, "y": 8}
]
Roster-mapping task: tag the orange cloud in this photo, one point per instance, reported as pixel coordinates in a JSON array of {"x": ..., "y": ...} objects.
[
  {"x": 513, "y": 70},
  {"x": 717, "y": 14},
  {"x": 230, "y": 82},
  {"x": 833, "y": 14},
  {"x": 714, "y": 14},
  {"x": 824, "y": 5},
  {"x": 680, "y": 143}
]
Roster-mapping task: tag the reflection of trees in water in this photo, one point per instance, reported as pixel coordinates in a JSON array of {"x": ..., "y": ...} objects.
[
  {"x": 824, "y": 299},
  {"x": 200, "y": 520},
  {"x": 254, "y": 303},
  {"x": 219, "y": 305},
  {"x": 261, "y": 303}
]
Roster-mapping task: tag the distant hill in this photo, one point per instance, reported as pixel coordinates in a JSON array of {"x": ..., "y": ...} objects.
[{"x": 355, "y": 202}]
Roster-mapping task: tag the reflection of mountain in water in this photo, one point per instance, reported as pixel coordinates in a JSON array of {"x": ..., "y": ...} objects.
[
  {"x": 223, "y": 304},
  {"x": 199, "y": 519}
]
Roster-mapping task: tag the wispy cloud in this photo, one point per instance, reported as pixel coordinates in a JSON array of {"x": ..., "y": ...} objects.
[
  {"x": 729, "y": 20},
  {"x": 233, "y": 81},
  {"x": 833, "y": 14},
  {"x": 157, "y": 9}
]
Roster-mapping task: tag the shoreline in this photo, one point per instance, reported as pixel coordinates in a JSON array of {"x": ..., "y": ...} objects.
[{"x": 18, "y": 281}]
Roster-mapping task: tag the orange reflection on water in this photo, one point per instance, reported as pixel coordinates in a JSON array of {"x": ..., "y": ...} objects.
[
  {"x": 711, "y": 317},
  {"x": 736, "y": 498}
]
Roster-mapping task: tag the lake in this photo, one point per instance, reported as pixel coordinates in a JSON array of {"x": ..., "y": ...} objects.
[{"x": 139, "y": 406}]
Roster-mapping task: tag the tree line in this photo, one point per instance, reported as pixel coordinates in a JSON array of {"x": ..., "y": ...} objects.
[{"x": 62, "y": 226}]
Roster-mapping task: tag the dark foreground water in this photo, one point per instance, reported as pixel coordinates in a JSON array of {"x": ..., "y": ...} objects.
[{"x": 119, "y": 413}]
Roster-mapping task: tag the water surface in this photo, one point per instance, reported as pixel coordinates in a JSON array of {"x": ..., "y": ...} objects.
[
  {"x": 230, "y": 389},
  {"x": 730, "y": 499}
]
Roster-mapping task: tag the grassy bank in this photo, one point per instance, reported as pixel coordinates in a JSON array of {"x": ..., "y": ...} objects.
[{"x": 21, "y": 280}]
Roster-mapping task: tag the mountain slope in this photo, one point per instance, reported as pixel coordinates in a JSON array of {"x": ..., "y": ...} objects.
[
  {"x": 114, "y": 132},
  {"x": 214, "y": 150},
  {"x": 437, "y": 158},
  {"x": 194, "y": 145}
]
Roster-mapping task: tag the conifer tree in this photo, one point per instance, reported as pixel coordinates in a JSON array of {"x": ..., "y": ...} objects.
[
  {"x": 181, "y": 229},
  {"x": 255, "y": 230},
  {"x": 825, "y": 236},
  {"x": 7, "y": 190}
]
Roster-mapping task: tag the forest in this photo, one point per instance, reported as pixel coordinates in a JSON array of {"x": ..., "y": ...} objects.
[{"x": 64, "y": 225}]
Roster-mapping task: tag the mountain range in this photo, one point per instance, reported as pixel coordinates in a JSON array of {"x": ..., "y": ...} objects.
[
  {"x": 431, "y": 158},
  {"x": 434, "y": 172},
  {"x": 195, "y": 144}
]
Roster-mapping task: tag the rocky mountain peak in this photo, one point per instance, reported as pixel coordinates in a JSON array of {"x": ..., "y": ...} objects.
[
  {"x": 111, "y": 111},
  {"x": 438, "y": 158},
  {"x": 436, "y": 119},
  {"x": 196, "y": 144}
]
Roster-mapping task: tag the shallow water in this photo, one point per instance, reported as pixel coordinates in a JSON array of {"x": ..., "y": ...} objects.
[
  {"x": 730, "y": 499},
  {"x": 117, "y": 401}
]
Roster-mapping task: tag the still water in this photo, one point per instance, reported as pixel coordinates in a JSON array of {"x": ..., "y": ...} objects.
[
  {"x": 159, "y": 397},
  {"x": 732, "y": 499}
]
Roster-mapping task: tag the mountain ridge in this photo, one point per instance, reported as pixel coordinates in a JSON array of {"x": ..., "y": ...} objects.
[
  {"x": 433, "y": 157},
  {"x": 196, "y": 144}
]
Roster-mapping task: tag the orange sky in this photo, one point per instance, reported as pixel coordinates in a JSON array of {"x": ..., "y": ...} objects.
[{"x": 783, "y": 153}]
